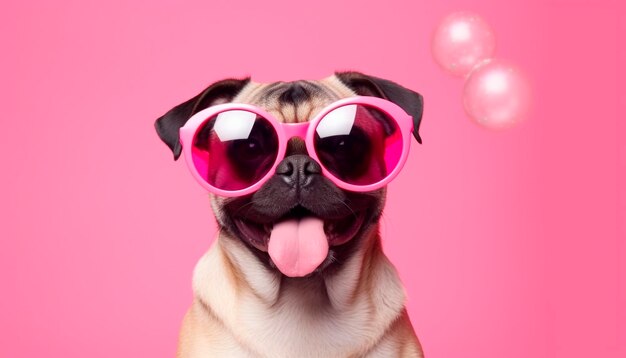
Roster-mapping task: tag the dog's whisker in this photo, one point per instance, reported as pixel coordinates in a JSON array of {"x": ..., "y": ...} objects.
[
  {"x": 349, "y": 208},
  {"x": 239, "y": 209}
]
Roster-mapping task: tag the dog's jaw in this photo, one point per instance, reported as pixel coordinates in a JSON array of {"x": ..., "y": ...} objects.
[{"x": 345, "y": 222}]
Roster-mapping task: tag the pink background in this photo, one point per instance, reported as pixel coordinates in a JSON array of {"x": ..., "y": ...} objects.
[{"x": 510, "y": 244}]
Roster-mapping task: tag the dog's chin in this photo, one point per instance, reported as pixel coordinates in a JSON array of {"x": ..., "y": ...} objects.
[{"x": 338, "y": 231}]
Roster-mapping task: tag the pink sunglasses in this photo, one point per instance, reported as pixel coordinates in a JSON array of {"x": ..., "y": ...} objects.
[{"x": 361, "y": 143}]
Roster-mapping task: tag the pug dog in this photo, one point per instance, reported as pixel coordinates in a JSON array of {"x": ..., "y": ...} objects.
[{"x": 247, "y": 302}]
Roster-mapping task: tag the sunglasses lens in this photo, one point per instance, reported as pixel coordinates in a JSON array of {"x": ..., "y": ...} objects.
[
  {"x": 358, "y": 144},
  {"x": 234, "y": 149}
]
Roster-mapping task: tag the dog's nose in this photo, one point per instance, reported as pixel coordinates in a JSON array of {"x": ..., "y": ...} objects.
[{"x": 298, "y": 170}]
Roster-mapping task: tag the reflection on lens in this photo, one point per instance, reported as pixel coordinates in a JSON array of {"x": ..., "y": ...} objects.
[
  {"x": 358, "y": 144},
  {"x": 234, "y": 149}
]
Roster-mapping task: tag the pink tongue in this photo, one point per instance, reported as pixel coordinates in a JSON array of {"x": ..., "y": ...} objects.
[{"x": 297, "y": 247}]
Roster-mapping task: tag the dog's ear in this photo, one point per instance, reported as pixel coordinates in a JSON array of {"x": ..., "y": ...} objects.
[
  {"x": 168, "y": 125},
  {"x": 364, "y": 85}
]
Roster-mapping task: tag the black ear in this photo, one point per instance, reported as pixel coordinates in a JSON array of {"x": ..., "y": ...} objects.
[
  {"x": 364, "y": 85},
  {"x": 168, "y": 125}
]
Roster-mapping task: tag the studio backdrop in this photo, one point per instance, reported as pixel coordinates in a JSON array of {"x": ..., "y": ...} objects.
[{"x": 510, "y": 243}]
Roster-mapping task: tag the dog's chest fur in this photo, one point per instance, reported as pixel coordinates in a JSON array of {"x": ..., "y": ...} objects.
[{"x": 265, "y": 315}]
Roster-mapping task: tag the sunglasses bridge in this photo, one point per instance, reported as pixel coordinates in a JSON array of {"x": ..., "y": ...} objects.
[{"x": 298, "y": 130}]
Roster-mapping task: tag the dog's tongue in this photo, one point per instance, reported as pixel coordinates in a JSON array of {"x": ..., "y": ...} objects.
[{"x": 297, "y": 247}]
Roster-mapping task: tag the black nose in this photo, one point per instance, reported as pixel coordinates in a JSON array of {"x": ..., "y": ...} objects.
[{"x": 298, "y": 170}]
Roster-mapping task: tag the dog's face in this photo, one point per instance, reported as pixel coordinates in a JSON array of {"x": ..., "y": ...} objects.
[{"x": 297, "y": 192}]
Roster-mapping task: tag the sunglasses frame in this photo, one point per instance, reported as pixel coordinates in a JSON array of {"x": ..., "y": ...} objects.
[{"x": 305, "y": 131}]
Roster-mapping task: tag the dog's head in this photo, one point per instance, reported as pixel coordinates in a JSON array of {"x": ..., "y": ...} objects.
[{"x": 297, "y": 200}]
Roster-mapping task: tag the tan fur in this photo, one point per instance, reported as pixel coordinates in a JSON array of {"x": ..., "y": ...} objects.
[{"x": 243, "y": 309}]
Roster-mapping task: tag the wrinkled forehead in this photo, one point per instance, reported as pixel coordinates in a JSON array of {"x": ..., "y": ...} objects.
[{"x": 294, "y": 102}]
